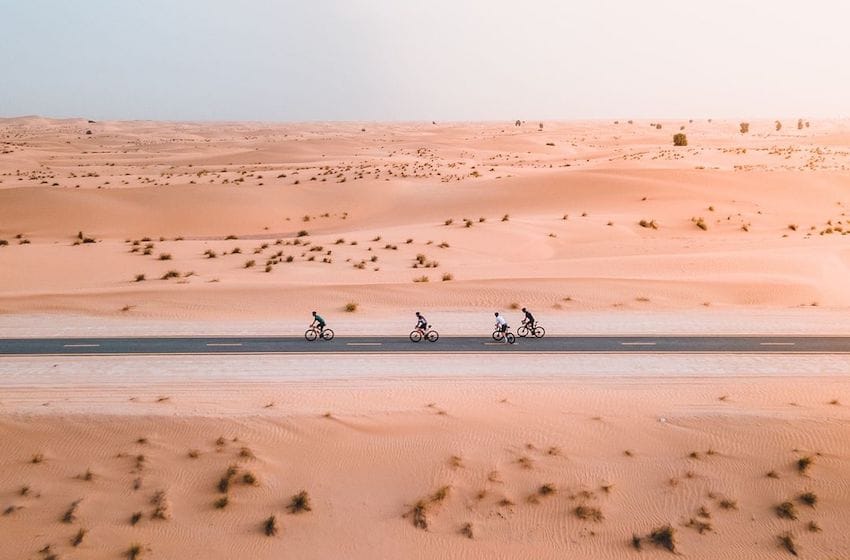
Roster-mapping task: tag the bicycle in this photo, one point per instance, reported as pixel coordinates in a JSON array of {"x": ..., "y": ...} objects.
[
  {"x": 313, "y": 333},
  {"x": 416, "y": 335},
  {"x": 537, "y": 331},
  {"x": 498, "y": 335}
]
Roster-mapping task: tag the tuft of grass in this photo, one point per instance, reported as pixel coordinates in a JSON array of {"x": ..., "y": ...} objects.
[
  {"x": 351, "y": 307},
  {"x": 772, "y": 474},
  {"x": 664, "y": 537},
  {"x": 299, "y": 503},
  {"x": 270, "y": 526},
  {"x": 77, "y": 540},
  {"x": 637, "y": 542},
  {"x": 786, "y": 510},
  {"x": 786, "y": 541},
  {"x": 71, "y": 514},
  {"x": 420, "y": 279},
  {"x": 37, "y": 458},
  {"x": 547, "y": 489},
  {"x": 728, "y": 504},
  {"x": 194, "y": 453},
  {"x": 506, "y": 217},
  {"x": 165, "y": 256},
  {"x": 246, "y": 453},
  {"x": 222, "y": 502},
  {"x": 448, "y": 277},
  {"x": 139, "y": 278},
  {"x": 466, "y": 530},
  {"x": 700, "y": 223},
  {"x": 803, "y": 464},
  {"x": 808, "y": 498},
  {"x": 88, "y": 476},
  {"x": 699, "y": 525},
  {"x": 249, "y": 264},
  {"x": 162, "y": 508},
  {"x": 171, "y": 274},
  {"x": 134, "y": 552},
  {"x": 813, "y": 527},
  {"x": 588, "y": 513},
  {"x": 249, "y": 478},
  {"x": 135, "y": 518}
]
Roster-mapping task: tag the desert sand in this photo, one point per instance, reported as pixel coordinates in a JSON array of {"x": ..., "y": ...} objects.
[
  {"x": 489, "y": 213},
  {"x": 710, "y": 455},
  {"x": 599, "y": 227}
]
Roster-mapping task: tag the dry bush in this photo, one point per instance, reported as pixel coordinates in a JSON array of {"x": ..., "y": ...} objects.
[
  {"x": 680, "y": 139},
  {"x": 745, "y": 127},
  {"x": 786, "y": 510},
  {"x": 299, "y": 503},
  {"x": 270, "y": 526},
  {"x": 786, "y": 541},
  {"x": 664, "y": 537},
  {"x": 588, "y": 513},
  {"x": 803, "y": 464}
]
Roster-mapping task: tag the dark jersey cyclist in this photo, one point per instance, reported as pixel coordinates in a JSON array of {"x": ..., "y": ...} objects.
[
  {"x": 421, "y": 322},
  {"x": 529, "y": 318},
  {"x": 318, "y": 322}
]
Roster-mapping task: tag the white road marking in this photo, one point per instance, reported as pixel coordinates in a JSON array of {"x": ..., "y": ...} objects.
[
  {"x": 638, "y": 343},
  {"x": 81, "y": 345},
  {"x": 224, "y": 344},
  {"x": 776, "y": 344},
  {"x": 363, "y": 343}
]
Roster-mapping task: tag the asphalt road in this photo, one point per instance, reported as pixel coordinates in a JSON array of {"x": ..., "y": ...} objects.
[{"x": 447, "y": 345}]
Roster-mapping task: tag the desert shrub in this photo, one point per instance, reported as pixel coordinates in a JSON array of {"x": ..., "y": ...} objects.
[
  {"x": 778, "y": 126},
  {"x": 745, "y": 127},
  {"x": 680, "y": 139},
  {"x": 351, "y": 307}
]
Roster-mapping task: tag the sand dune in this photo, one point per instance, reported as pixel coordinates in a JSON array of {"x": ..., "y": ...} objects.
[{"x": 534, "y": 214}]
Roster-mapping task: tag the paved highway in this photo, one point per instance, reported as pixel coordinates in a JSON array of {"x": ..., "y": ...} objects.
[{"x": 447, "y": 345}]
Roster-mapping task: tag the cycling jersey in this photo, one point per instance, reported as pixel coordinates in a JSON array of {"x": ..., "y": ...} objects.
[{"x": 319, "y": 321}]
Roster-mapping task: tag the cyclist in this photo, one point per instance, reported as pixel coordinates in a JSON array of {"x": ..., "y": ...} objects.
[
  {"x": 421, "y": 323},
  {"x": 318, "y": 322},
  {"x": 502, "y": 326},
  {"x": 528, "y": 320}
]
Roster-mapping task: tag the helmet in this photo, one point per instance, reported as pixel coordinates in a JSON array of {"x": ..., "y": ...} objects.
[
  {"x": 418, "y": 314},
  {"x": 314, "y": 312},
  {"x": 497, "y": 313},
  {"x": 523, "y": 309}
]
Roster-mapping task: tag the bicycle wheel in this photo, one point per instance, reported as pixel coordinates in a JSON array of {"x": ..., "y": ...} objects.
[
  {"x": 511, "y": 338},
  {"x": 539, "y": 332},
  {"x": 433, "y": 336},
  {"x": 328, "y": 334},
  {"x": 311, "y": 335},
  {"x": 497, "y": 335},
  {"x": 522, "y": 331},
  {"x": 415, "y": 336}
]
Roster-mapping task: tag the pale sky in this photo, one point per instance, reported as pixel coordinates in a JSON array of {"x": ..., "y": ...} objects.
[{"x": 289, "y": 60}]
